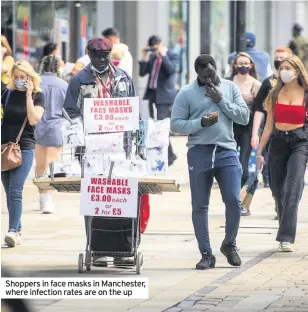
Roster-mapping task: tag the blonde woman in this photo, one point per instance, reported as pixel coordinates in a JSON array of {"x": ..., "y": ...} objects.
[
  {"x": 286, "y": 125},
  {"x": 25, "y": 100},
  {"x": 7, "y": 62},
  {"x": 48, "y": 131}
]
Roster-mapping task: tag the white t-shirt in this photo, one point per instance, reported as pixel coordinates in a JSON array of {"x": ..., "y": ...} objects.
[{"x": 84, "y": 60}]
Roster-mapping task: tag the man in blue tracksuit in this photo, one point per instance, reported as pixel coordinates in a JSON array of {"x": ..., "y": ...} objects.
[{"x": 212, "y": 152}]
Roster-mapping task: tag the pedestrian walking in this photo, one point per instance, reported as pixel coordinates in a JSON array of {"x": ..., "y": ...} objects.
[
  {"x": 259, "y": 120},
  {"x": 245, "y": 76},
  {"x": 205, "y": 110},
  {"x": 286, "y": 125},
  {"x": 260, "y": 58},
  {"x": 24, "y": 106},
  {"x": 299, "y": 44},
  {"x": 81, "y": 63},
  {"x": 100, "y": 79},
  {"x": 52, "y": 49},
  {"x": 48, "y": 131},
  {"x": 120, "y": 55},
  {"x": 160, "y": 64}
]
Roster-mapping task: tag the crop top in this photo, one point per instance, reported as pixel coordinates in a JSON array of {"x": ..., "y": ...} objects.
[{"x": 291, "y": 114}]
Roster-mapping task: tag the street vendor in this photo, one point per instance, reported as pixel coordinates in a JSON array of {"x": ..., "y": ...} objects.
[
  {"x": 100, "y": 79},
  {"x": 205, "y": 110}
]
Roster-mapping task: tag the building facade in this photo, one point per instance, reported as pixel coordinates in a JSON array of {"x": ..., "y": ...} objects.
[{"x": 29, "y": 25}]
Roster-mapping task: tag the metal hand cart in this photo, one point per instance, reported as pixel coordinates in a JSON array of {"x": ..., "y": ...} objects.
[{"x": 118, "y": 238}]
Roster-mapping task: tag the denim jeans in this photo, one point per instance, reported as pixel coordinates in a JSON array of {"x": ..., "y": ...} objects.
[
  {"x": 242, "y": 136},
  {"x": 287, "y": 165},
  {"x": 13, "y": 182},
  {"x": 204, "y": 163}
]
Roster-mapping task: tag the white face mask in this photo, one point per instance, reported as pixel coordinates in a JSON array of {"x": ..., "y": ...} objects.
[{"x": 287, "y": 75}]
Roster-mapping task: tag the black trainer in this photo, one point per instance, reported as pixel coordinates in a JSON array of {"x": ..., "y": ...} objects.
[
  {"x": 230, "y": 251},
  {"x": 208, "y": 261}
]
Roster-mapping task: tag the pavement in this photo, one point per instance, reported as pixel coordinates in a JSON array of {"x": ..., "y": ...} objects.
[{"x": 267, "y": 280}]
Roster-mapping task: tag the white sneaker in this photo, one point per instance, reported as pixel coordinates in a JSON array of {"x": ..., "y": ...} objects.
[
  {"x": 46, "y": 204},
  {"x": 285, "y": 247},
  {"x": 12, "y": 239}
]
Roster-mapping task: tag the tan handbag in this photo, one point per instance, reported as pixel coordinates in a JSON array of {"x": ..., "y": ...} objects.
[{"x": 11, "y": 156}]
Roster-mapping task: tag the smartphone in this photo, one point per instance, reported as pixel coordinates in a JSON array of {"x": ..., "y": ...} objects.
[
  {"x": 214, "y": 115},
  {"x": 151, "y": 50}
]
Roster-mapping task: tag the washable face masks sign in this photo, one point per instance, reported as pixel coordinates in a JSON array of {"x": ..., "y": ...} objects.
[
  {"x": 287, "y": 75},
  {"x": 243, "y": 70},
  {"x": 20, "y": 84}
]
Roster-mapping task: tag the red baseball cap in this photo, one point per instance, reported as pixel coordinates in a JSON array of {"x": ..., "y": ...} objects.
[{"x": 99, "y": 44}]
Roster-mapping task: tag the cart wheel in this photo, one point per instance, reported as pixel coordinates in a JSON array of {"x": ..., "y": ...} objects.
[
  {"x": 139, "y": 262},
  {"x": 88, "y": 261},
  {"x": 80, "y": 263}
]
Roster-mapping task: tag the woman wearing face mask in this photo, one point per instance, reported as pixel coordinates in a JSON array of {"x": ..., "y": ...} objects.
[
  {"x": 24, "y": 101},
  {"x": 48, "y": 131},
  {"x": 244, "y": 75},
  {"x": 286, "y": 125}
]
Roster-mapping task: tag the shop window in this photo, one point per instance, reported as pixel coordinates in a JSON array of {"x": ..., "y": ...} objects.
[
  {"x": 178, "y": 33},
  {"x": 7, "y": 21}
]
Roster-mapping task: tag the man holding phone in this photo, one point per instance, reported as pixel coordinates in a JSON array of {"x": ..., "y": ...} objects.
[
  {"x": 205, "y": 111},
  {"x": 160, "y": 64}
]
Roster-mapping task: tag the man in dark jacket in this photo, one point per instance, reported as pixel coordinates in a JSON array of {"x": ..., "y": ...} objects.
[
  {"x": 100, "y": 79},
  {"x": 160, "y": 64}
]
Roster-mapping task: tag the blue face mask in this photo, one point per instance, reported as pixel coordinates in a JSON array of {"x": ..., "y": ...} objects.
[
  {"x": 243, "y": 70},
  {"x": 20, "y": 84}
]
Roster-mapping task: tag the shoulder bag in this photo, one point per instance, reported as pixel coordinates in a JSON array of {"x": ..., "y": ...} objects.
[{"x": 11, "y": 156}]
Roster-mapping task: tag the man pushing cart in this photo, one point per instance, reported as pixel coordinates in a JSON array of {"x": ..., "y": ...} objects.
[{"x": 100, "y": 79}]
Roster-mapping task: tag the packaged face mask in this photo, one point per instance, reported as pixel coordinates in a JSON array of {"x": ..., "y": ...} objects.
[
  {"x": 70, "y": 168},
  {"x": 157, "y": 133},
  {"x": 93, "y": 164},
  {"x": 121, "y": 164},
  {"x": 157, "y": 160},
  {"x": 105, "y": 143},
  {"x": 72, "y": 134}
]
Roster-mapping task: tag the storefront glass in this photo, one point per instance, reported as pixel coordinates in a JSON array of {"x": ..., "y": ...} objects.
[
  {"x": 7, "y": 20},
  {"x": 220, "y": 34},
  {"x": 88, "y": 23},
  {"x": 178, "y": 40},
  {"x": 42, "y": 15}
]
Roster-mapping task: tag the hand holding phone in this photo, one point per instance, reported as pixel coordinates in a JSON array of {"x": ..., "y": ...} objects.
[
  {"x": 210, "y": 119},
  {"x": 29, "y": 85}
]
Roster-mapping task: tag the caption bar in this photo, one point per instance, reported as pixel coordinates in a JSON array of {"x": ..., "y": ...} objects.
[{"x": 74, "y": 288}]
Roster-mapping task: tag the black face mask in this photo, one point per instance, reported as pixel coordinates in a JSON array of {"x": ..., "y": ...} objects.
[
  {"x": 277, "y": 64},
  {"x": 100, "y": 60}
]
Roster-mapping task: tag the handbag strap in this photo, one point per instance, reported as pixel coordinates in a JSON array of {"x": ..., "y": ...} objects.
[
  {"x": 21, "y": 130},
  {"x": 306, "y": 104}
]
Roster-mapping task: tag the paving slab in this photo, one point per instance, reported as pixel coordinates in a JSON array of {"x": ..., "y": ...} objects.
[{"x": 52, "y": 244}]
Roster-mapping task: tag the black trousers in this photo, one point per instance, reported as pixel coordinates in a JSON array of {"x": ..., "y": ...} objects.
[
  {"x": 242, "y": 136},
  {"x": 163, "y": 111},
  {"x": 288, "y": 154}
]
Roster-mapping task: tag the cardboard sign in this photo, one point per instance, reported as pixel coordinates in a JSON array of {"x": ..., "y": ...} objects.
[
  {"x": 111, "y": 115},
  {"x": 116, "y": 197}
]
